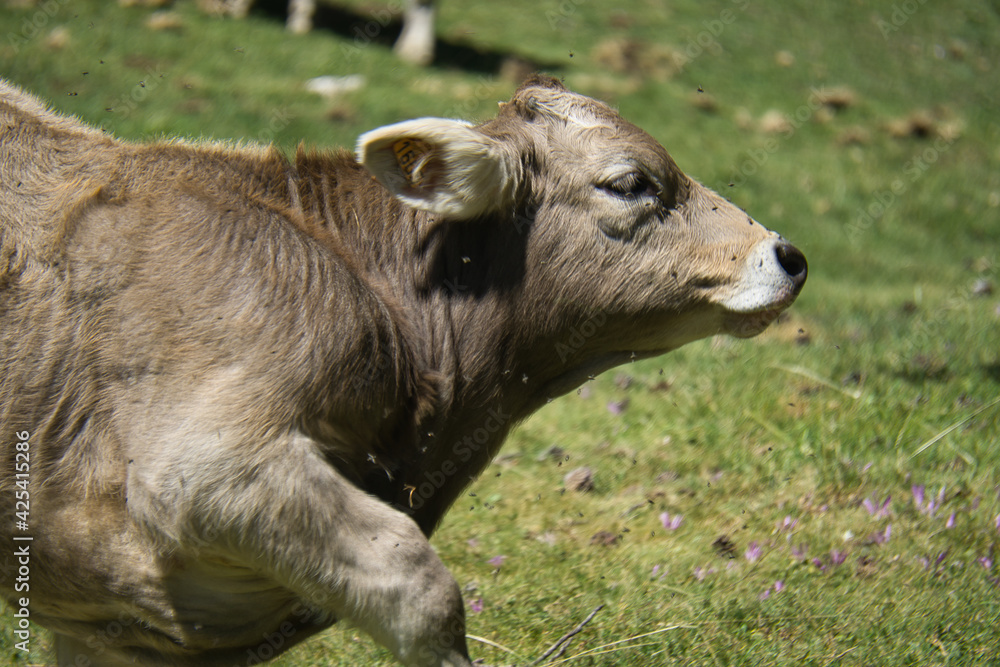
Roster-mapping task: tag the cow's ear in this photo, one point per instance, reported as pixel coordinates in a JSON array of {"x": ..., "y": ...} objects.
[{"x": 446, "y": 167}]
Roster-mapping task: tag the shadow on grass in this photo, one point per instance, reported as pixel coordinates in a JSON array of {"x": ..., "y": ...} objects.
[
  {"x": 383, "y": 29},
  {"x": 922, "y": 368},
  {"x": 992, "y": 371}
]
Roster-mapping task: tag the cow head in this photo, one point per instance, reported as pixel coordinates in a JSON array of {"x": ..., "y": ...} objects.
[{"x": 612, "y": 226}]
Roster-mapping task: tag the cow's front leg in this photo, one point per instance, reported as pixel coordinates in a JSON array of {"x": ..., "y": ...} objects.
[
  {"x": 284, "y": 510},
  {"x": 386, "y": 578}
]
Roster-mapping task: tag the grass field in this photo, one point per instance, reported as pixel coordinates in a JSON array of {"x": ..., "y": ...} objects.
[{"x": 838, "y": 478}]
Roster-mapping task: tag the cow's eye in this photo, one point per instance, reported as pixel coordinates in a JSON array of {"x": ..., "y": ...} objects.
[{"x": 630, "y": 185}]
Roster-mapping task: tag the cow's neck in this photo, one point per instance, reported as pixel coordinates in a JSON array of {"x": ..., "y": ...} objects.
[{"x": 472, "y": 329}]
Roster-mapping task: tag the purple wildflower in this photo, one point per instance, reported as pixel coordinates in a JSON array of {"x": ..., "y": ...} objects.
[
  {"x": 819, "y": 564},
  {"x": 837, "y": 557},
  {"x": 753, "y": 552},
  {"x": 875, "y": 509},
  {"x": 497, "y": 561},
  {"x": 788, "y": 524},
  {"x": 883, "y": 537},
  {"x": 476, "y": 606},
  {"x": 950, "y": 523},
  {"x": 671, "y": 523},
  {"x": 986, "y": 562},
  {"x": 778, "y": 586},
  {"x": 940, "y": 498},
  {"x": 617, "y": 407},
  {"x": 997, "y": 522},
  {"x": 931, "y": 508},
  {"x": 928, "y": 506},
  {"x": 799, "y": 552},
  {"x": 656, "y": 568}
]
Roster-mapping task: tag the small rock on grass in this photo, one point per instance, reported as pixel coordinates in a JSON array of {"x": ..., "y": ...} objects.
[
  {"x": 604, "y": 538},
  {"x": 982, "y": 287},
  {"x": 579, "y": 479}
]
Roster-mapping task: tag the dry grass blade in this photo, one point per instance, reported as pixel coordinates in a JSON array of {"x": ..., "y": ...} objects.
[
  {"x": 770, "y": 427},
  {"x": 815, "y": 377},
  {"x": 488, "y": 642},
  {"x": 564, "y": 640},
  {"x": 590, "y": 653},
  {"x": 951, "y": 428},
  {"x": 599, "y": 650}
]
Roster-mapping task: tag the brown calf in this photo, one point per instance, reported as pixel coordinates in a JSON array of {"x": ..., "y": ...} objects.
[{"x": 238, "y": 391}]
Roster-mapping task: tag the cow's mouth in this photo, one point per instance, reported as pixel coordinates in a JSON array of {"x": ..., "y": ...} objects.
[{"x": 748, "y": 325}]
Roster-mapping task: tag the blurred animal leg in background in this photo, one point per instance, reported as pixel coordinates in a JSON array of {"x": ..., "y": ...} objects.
[
  {"x": 300, "y": 16},
  {"x": 416, "y": 42}
]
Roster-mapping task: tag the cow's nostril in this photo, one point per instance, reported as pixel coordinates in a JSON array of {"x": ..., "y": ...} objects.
[{"x": 793, "y": 262}]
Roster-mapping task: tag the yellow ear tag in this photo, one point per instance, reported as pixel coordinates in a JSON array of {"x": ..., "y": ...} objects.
[{"x": 411, "y": 154}]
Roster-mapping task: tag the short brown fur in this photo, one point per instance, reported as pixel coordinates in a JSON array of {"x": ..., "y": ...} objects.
[{"x": 241, "y": 372}]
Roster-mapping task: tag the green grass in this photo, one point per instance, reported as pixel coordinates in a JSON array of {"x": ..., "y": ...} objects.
[{"x": 891, "y": 383}]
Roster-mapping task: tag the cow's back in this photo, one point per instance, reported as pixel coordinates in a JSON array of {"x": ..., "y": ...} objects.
[{"x": 130, "y": 268}]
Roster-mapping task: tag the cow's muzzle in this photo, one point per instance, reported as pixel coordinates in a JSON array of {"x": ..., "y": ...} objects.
[{"x": 771, "y": 277}]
